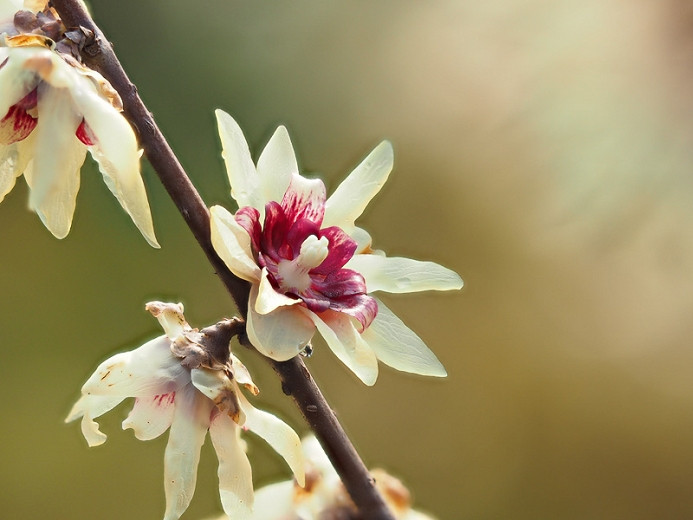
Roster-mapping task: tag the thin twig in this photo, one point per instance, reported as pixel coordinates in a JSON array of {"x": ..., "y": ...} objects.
[{"x": 296, "y": 379}]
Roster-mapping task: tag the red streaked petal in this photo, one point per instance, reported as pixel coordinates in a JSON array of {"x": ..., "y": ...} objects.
[
  {"x": 360, "y": 306},
  {"x": 342, "y": 291},
  {"x": 249, "y": 219},
  {"x": 274, "y": 232},
  {"x": 304, "y": 198},
  {"x": 298, "y": 233},
  {"x": 315, "y": 301},
  {"x": 341, "y": 249},
  {"x": 337, "y": 284},
  {"x": 16, "y": 125}
]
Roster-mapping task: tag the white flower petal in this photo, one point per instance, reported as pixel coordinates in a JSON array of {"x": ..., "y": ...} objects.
[
  {"x": 403, "y": 275},
  {"x": 151, "y": 416},
  {"x": 15, "y": 80},
  {"x": 9, "y": 169},
  {"x": 280, "y": 334},
  {"x": 415, "y": 515},
  {"x": 345, "y": 341},
  {"x": 352, "y": 196},
  {"x": 274, "y": 502},
  {"x": 146, "y": 371},
  {"x": 125, "y": 183},
  {"x": 232, "y": 244},
  {"x": 313, "y": 452},
  {"x": 239, "y": 165},
  {"x": 278, "y": 434},
  {"x": 14, "y": 159},
  {"x": 235, "y": 474},
  {"x": 398, "y": 346},
  {"x": 171, "y": 318},
  {"x": 242, "y": 375},
  {"x": 275, "y": 167},
  {"x": 363, "y": 239},
  {"x": 89, "y": 407},
  {"x": 54, "y": 172},
  {"x": 188, "y": 430},
  {"x": 116, "y": 152},
  {"x": 268, "y": 299}
]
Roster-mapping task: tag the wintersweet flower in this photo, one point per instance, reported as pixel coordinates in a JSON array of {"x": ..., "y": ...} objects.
[
  {"x": 53, "y": 111},
  {"x": 310, "y": 267},
  {"x": 324, "y": 496},
  {"x": 188, "y": 381}
]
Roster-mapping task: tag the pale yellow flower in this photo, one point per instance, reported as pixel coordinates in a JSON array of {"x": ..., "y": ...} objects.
[
  {"x": 182, "y": 383},
  {"x": 55, "y": 110}
]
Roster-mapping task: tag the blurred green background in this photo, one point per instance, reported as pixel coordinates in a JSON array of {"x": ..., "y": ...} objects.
[{"x": 543, "y": 151}]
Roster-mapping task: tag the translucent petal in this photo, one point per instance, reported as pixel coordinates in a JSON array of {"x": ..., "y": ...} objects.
[
  {"x": 89, "y": 407},
  {"x": 146, "y": 371},
  {"x": 151, "y": 416},
  {"x": 9, "y": 170},
  {"x": 274, "y": 501},
  {"x": 268, "y": 299},
  {"x": 403, "y": 275},
  {"x": 13, "y": 161},
  {"x": 363, "y": 240},
  {"x": 280, "y": 334},
  {"x": 275, "y": 166},
  {"x": 171, "y": 318},
  {"x": 188, "y": 430},
  {"x": 398, "y": 346},
  {"x": 235, "y": 474},
  {"x": 352, "y": 196},
  {"x": 58, "y": 156},
  {"x": 232, "y": 244},
  {"x": 304, "y": 199},
  {"x": 116, "y": 151},
  {"x": 278, "y": 434},
  {"x": 216, "y": 386},
  {"x": 15, "y": 80},
  {"x": 239, "y": 165},
  {"x": 415, "y": 515},
  {"x": 242, "y": 375},
  {"x": 345, "y": 341}
]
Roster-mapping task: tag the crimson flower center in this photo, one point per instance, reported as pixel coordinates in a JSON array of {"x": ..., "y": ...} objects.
[{"x": 294, "y": 274}]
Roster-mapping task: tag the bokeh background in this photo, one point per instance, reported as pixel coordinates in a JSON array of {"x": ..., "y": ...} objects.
[{"x": 543, "y": 151}]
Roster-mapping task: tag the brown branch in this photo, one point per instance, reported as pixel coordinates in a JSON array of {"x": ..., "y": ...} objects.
[{"x": 296, "y": 379}]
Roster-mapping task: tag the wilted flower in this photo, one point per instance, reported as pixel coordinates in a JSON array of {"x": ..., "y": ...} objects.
[
  {"x": 188, "y": 381},
  {"x": 53, "y": 111},
  {"x": 324, "y": 497},
  {"x": 310, "y": 266}
]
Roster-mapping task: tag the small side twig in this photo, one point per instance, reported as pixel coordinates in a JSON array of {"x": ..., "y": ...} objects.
[{"x": 296, "y": 379}]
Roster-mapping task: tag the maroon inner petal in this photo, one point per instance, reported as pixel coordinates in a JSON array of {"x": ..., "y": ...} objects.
[
  {"x": 341, "y": 249},
  {"x": 249, "y": 219},
  {"x": 340, "y": 283},
  {"x": 360, "y": 306},
  {"x": 301, "y": 230},
  {"x": 273, "y": 242}
]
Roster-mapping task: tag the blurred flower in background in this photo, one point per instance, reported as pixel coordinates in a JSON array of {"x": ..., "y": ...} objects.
[{"x": 324, "y": 497}]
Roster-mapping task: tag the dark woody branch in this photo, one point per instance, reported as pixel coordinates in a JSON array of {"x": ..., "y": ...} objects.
[{"x": 297, "y": 382}]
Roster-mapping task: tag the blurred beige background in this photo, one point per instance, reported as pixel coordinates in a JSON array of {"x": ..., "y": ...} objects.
[{"x": 543, "y": 151}]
